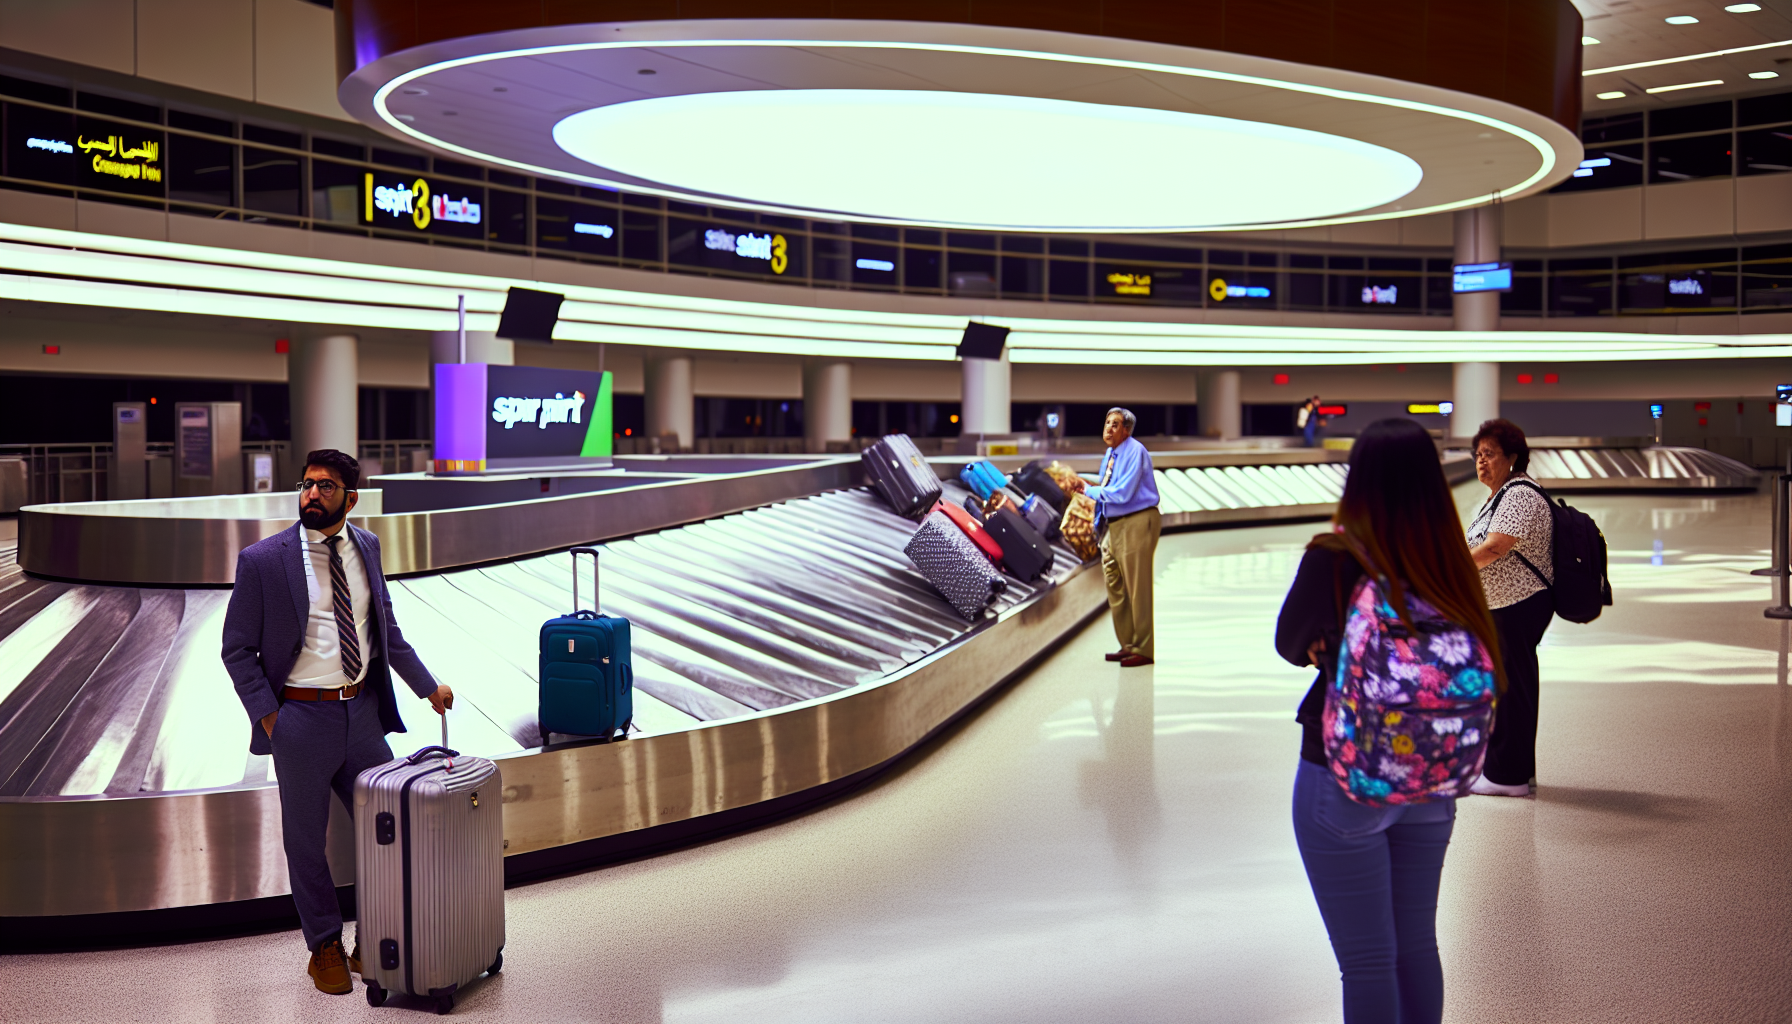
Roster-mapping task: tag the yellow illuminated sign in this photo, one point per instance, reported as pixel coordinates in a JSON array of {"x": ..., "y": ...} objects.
[
  {"x": 110, "y": 155},
  {"x": 780, "y": 254},
  {"x": 1130, "y": 284},
  {"x": 398, "y": 200},
  {"x": 1217, "y": 289}
]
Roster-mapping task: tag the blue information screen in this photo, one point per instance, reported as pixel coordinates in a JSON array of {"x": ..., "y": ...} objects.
[{"x": 1482, "y": 277}]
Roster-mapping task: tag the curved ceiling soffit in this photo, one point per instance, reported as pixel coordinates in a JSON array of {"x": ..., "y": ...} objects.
[{"x": 1523, "y": 52}]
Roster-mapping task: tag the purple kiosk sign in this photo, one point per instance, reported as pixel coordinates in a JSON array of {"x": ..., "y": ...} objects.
[{"x": 509, "y": 418}]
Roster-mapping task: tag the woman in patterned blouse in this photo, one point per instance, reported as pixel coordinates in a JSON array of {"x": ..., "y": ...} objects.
[{"x": 1510, "y": 542}]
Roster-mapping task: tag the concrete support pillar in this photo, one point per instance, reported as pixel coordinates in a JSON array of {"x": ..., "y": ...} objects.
[
  {"x": 985, "y": 396},
  {"x": 1477, "y": 397},
  {"x": 482, "y": 347},
  {"x": 322, "y": 379},
  {"x": 670, "y": 400},
  {"x": 1218, "y": 404},
  {"x": 827, "y": 403},
  {"x": 1477, "y": 390}
]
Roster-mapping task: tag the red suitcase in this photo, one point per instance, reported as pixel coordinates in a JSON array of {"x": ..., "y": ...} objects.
[{"x": 974, "y": 530}]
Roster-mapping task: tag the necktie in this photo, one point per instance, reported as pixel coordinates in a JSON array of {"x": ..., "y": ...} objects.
[{"x": 346, "y": 637}]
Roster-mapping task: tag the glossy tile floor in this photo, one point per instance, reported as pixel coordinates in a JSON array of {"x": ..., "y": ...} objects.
[{"x": 1113, "y": 845}]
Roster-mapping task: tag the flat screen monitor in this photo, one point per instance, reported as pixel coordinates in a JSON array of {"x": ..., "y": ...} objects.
[
  {"x": 982, "y": 341},
  {"x": 529, "y": 315},
  {"x": 1481, "y": 277}
]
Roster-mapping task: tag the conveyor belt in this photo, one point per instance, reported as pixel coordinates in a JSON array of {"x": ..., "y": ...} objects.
[
  {"x": 1654, "y": 468},
  {"x": 120, "y": 690}
]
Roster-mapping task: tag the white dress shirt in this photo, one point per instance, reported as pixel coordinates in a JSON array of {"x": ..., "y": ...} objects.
[{"x": 320, "y": 661}]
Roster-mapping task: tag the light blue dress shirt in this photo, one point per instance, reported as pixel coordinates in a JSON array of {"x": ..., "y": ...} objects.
[{"x": 1130, "y": 486}]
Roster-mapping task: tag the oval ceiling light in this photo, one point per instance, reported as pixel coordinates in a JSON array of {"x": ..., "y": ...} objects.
[{"x": 988, "y": 160}]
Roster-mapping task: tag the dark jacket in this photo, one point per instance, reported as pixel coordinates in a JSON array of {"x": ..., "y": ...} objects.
[
  {"x": 264, "y": 630},
  {"x": 1313, "y": 611}
]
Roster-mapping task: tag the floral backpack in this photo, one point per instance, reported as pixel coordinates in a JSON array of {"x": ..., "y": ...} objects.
[{"x": 1406, "y": 716}]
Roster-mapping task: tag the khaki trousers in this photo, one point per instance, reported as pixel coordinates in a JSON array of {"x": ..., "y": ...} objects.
[{"x": 1128, "y": 550}]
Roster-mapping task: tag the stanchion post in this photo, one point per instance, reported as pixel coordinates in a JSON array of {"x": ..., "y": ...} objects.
[
  {"x": 1778, "y": 547},
  {"x": 1782, "y": 610}
]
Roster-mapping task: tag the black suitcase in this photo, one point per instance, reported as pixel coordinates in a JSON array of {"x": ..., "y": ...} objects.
[
  {"x": 1025, "y": 553},
  {"x": 974, "y": 507},
  {"x": 1033, "y": 479},
  {"x": 900, "y": 473}
]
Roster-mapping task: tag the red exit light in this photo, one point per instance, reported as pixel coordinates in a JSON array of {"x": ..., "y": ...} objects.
[
  {"x": 1524, "y": 378},
  {"x": 1552, "y": 378},
  {"x": 52, "y": 350},
  {"x": 282, "y": 346},
  {"x": 1280, "y": 378},
  {"x": 1334, "y": 410},
  {"x": 1701, "y": 407}
]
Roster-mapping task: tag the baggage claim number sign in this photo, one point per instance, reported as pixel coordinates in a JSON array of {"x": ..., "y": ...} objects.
[{"x": 413, "y": 201}]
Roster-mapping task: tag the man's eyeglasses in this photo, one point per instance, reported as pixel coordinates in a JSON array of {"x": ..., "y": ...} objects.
[{"x": 326, "y": 489}]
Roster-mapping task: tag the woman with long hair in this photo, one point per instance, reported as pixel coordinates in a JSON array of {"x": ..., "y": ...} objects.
[{"x": 1375, "y": 868}]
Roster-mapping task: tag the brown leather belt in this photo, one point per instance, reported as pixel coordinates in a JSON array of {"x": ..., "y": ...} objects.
[{"x": 317, "y": 693}]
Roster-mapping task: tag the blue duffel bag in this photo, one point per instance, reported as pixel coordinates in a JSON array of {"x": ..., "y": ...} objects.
[{"x": 587, "y": 675}]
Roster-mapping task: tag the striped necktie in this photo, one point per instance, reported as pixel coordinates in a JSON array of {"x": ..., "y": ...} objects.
[{"x": 346, "y": 637}]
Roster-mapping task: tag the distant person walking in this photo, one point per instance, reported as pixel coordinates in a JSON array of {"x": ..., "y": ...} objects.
[
  {"x": 1375, "y": 865},
  {"x": 1307, "y": 419},
  {"x": 1127, "y": 517},
  {"x": 1511, "y": 538}
]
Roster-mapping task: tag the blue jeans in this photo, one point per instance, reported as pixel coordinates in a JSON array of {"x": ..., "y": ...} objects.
[{"x": 1375, "y": 873}]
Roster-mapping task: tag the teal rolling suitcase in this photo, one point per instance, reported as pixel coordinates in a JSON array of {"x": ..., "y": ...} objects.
[{"x": 587, "y": 672}]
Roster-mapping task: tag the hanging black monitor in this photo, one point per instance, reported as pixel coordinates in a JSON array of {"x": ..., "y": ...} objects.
[
  {"x": 982, "y": 341},
  {"x": 529, "y": 315}
]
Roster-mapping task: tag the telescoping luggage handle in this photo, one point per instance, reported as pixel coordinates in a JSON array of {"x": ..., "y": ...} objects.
[
  {"x": 576, "y": 552},
  {"x": 441, "y": 751}
]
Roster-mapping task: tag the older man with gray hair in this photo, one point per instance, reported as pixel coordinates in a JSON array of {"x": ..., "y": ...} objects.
[{"x": 1129, "y": 522}]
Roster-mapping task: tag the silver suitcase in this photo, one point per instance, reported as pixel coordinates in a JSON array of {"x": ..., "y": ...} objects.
[{"x": 429, "y": 874}]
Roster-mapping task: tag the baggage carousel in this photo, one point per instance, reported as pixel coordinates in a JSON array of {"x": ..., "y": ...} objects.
[
  {"x": 785, "y": 650},
  {"x": 1571, "y": 464}
]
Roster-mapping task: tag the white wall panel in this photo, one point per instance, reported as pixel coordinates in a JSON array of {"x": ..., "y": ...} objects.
[
  {"x": 1764, "y": 203},
  {"x": 1596, "y": 218},
  {"x": 98, "y": 33},
  {"x": 295, "y": 57},
  {"x": 201, "y": 44},
  {"x": 1690, "y": 209}
]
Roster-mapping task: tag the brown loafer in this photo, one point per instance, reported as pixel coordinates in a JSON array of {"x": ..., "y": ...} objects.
[
  {"x": 329, "y": 969},
  {"x": 1134, "y": 661},
  {"x": 1117, "y": 655}
]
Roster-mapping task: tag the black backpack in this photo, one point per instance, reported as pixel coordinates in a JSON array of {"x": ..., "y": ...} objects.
[{"x": 1577, "y": 549}]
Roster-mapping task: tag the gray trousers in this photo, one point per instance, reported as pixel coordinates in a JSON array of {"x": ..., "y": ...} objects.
[{"x": 320, "y": 746}]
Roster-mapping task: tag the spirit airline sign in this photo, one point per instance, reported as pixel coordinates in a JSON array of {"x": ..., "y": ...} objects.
[{"x": 398, "y": 203}]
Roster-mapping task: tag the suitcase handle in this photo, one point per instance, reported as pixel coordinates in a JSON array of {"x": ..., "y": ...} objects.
[
  {"x": 576, "y": 552},
  {"x": 429, "y": 751}
]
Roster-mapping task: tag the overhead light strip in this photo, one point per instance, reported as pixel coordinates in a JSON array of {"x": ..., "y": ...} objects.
[
  {"x": 661, "y": 320},
  {"x": 1682, "y": 60},
  {"x": 1546, "y": 152}
]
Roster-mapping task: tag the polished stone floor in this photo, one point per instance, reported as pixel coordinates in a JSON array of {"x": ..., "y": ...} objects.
[{"x": 1102, "y": 844}]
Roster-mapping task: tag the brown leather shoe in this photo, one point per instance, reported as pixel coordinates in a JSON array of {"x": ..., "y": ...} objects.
[
  {"x": 329, "y": 969},
  {"x": 1134, "y": 661},
  {"x": 1117, "y": 655},
  {"x": 354, "y": 959}
]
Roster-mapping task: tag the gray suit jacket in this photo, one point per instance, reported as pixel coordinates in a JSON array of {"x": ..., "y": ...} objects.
[{"x": 264, "y": 630}]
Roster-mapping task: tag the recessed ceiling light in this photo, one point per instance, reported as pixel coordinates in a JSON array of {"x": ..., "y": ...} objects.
[
  {"x": 1742, "y": 8},
  {"x": 500, "y": 88},
  {"x": 1588, "y": 41},
  {"x": 415, "y": 91},
  {"x": 1681, "y": 19},
  {"x": 1763, "y": 74},
  {"x": 1684, "y": 85},
  {"x": 647, "y": 71},
  {"x": 1612, "y": 95}
]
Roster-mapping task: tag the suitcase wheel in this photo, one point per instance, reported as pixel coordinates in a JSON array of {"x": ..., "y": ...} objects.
[
  {"x": 376, "y": 996},
  {"x": 444, "y": 1003},
  {"x": 497, "y": 963}
]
